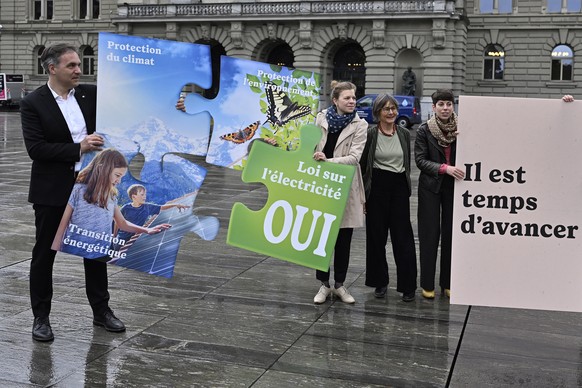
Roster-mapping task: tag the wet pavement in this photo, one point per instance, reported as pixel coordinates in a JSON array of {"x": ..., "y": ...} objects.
[{"x": 233, "y": 318}]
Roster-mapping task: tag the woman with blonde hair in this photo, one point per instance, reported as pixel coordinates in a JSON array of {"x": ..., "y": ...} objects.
[{"x": 343, "y": 141}]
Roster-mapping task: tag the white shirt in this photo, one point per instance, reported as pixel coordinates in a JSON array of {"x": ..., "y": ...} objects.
[{"x": 73, "y": 116}]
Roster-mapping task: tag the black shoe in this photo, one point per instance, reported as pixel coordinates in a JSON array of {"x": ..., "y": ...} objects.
[
  {"x": 380, "y": 292},
  {"x": 408, "y": 296},
  {"x": 41, "y": 330},
  {"x": 109, "y": 321}
]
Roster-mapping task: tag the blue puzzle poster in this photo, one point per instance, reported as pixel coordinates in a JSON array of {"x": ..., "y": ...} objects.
[
  {"x": 140, "y": 80},
  {"x": 142, "y": 83},
  {"x": 256, "y": 100}
]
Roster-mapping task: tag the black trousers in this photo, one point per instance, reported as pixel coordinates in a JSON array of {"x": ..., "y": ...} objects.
[
  {"x": 341, "y": 257},
  {"x": 47, "y": 219},
  {"x": 388, "y": 209},
  {"x": 435, "y": 219}
]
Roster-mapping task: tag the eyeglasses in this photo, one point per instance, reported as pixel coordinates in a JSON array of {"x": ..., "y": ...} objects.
[{"x": 390, "y": 109}]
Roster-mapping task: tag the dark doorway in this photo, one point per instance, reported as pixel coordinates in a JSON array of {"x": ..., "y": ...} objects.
[
  {"x": 281, "y": 55},
  {"x": 348, "y": 65}
]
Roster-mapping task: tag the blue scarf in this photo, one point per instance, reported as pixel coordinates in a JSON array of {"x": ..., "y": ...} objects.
[{"x": 337, "y": 122}]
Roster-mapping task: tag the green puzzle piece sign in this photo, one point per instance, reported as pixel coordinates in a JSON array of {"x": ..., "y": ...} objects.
[{"x": 305, "y": 206}]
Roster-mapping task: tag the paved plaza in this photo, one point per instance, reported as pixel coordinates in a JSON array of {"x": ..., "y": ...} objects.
[{"x": 233, "y": 318}]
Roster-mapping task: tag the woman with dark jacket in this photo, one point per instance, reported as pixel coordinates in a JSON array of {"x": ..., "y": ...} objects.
[
  {"x": 386, "y": 169},
  {"x": 435, "y": 150}
]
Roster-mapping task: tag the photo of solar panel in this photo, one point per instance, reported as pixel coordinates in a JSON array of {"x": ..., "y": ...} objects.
[{"x": 156, "y": 254}]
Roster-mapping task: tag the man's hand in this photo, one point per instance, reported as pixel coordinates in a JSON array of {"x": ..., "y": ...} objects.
[{"x": 92, "y": 142}]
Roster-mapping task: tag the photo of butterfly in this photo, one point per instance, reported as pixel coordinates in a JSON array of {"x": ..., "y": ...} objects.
[
  {"x": 281, "y": 109},
  {"x": 242, "y": 135}
]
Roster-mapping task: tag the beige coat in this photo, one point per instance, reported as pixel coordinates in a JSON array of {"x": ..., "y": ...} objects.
[{"x": 348, "y": 150}]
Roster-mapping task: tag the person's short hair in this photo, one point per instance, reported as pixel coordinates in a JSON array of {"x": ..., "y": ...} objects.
[
  {"x": 443, "y": 95},
  {"x": 134, "y": 189},
  {"x": 51, "y": 55},
  {"x": 380, "y": 102}
]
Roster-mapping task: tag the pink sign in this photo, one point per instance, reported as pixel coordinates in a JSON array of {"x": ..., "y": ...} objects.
[{"x": 517, "y": 223}]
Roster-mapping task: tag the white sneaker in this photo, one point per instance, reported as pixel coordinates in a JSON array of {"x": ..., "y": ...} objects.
[
  {"x": 344, "y": 295},
  {"x": 322, "y": 294}
]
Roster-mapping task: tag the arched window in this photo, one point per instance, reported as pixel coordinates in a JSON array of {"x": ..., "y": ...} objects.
[
  {"x": 493, "y": 62},
  {"x": 88, "y": 61},
  {"x": 281, "y": 55},
  {"x": 39, "y": 69},
  {"x": 562, "y": 63},
  {"x": 349, "y": 64}
]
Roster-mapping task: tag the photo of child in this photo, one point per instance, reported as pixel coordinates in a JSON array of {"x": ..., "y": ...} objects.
[
  {"x": 140, "y": 212},
  {"x": 86, "y": 228}
]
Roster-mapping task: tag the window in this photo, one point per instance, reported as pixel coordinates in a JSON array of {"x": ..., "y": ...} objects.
[
  {"x": 43, "y": 10},
  {"x": 88, "y": 9},
  {"x": 88, "y": 61},
  {"x": 496, "y": 6},
  {"x": 493, "y": 62},
  {"x": 558, "y": 6},
  {"x": 39, "y": 68},
  {"x": 562, "y": 63}
]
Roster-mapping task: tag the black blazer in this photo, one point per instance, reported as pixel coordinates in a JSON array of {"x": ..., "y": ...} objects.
[
  {"x": 429, "y": 156},
  {"x": 49, "y": 143}
]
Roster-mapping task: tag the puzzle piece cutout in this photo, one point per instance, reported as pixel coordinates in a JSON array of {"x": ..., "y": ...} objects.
[
  {"x": 256, "y": 100},
  {"x": 305, "y": 205}
]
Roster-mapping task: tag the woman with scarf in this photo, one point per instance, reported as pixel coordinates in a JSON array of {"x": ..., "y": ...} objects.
[
  {"x": 343, "y": 141},
  {"x": 435, "y": 149}
]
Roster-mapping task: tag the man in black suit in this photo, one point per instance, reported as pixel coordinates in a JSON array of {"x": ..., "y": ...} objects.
[{"x": 58, "y": 124}]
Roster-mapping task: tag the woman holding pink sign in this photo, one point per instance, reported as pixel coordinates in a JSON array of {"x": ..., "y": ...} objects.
[{"x": 435, "y": 151}]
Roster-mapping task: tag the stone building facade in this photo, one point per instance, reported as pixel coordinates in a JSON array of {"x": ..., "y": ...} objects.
[{"x": 523, "y": 48}]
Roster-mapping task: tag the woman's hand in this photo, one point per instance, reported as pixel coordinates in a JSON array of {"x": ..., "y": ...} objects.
[
  {"x": 455, "y": 172},
  {"x": 568, "y": 98},
  {"x": 319, "y": 156}
]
